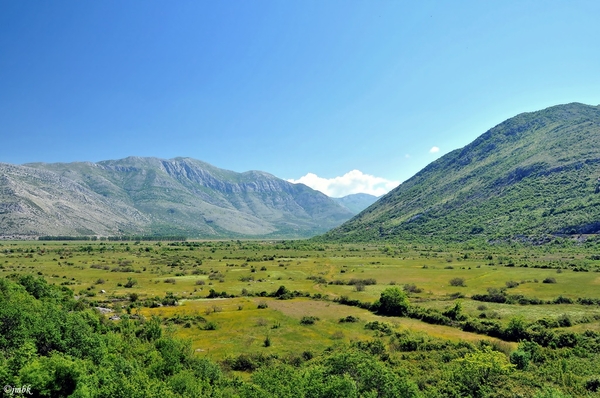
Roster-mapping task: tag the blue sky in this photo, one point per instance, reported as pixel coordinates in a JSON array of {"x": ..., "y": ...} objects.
[{"x": 362, "y": 89}]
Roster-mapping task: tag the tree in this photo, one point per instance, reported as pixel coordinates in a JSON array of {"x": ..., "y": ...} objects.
[
  {"x": 393, "y": 301},
  {"x": 516, "y": 329}
]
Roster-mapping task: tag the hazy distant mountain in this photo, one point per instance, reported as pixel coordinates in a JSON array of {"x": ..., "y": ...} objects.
[
  {"x": 536, "y": 174},
  {"x": 155, "y": 196},
  {"x": 356, "y": 202}
]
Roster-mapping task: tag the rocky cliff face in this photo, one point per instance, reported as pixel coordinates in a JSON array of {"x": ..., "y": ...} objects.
[
  {"x": 156, "y": 196},
  {"x": 40, "y": 202}
]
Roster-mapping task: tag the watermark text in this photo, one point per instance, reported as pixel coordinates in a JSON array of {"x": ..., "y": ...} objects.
[{"x": 24, "y": 389}]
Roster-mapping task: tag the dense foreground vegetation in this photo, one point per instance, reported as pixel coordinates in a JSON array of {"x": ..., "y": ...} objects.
[{"x": 204, "y": 319}]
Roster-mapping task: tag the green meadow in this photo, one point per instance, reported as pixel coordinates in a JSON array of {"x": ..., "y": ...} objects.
[
  {"x": 133, "y": 277},
  {"x": 253, "y": 306}
]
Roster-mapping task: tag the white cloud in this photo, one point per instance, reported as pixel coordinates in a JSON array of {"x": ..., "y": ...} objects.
[
  {"x": 352, "y": 182},
  {"x": 434, "y": 149}
]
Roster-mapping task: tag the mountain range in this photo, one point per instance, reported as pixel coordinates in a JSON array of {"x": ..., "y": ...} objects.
[
  {"x": 150, "y": 196},
  {"x": 356, "y": 202},
  {"x": 534, "y": 176}
]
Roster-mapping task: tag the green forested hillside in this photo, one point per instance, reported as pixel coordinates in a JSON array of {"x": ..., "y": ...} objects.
[{"x": 533, "y": 176}]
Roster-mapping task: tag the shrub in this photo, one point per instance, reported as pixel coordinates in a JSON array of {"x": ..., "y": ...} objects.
[
  {"x": 457, "y": 282},
  {"x": 382, "y": 327},
  {"x": 212, "y": 293},
  {"x": 511, "y": 284},
  {"x": 564, "y": 321},
  {"x": 122, "y": 269},
  {"x": 262, "y": 305},
  {"x": 489, "y": 315},
  {"x": 318, "y": 279},
  {"x": 549, "y": 280},
  {"x": 563, "y": 300},
  {"x": 282, "y": 293},
  {"x": 359, "y": 287},
  {"x": 267, "y": 341},
  {"x": 516, "y": 329},
  {"x": 130, "y": 283},
  {"x": 479, "y": 373},
  {"x": 308, "y": 320},
  {"x": 412, "y": 288},
  {"x": 392, "y": 301},
  {"x": 593, "y": 384},
  {"x": 373, "y": 347},
  {"x": 355, "y": 281},
  {"x": 169, "y": 299},
  {"x": 493, "y": 296},
  {"x": 244, "y": 362},
  {"x": 210, "y": 325},
  {"x": 98, "y": 266},
  {"x": 454, "y": 313},
  {"x": 520, "y": 359},
  {"x": 170, "y": 280},
  {"x": 349, "y": 319}
]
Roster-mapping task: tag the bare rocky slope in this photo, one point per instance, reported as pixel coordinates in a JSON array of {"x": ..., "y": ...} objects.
[{"x": 150, "y": 196}]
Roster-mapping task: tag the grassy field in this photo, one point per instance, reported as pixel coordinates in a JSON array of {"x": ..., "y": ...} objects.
[{"x": 129, "y": 276}]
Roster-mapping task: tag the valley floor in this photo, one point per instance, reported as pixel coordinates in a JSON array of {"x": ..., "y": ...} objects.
[{"x": 532, "y": 312}]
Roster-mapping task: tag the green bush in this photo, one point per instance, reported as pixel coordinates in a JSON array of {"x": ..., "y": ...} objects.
[
  {"x": 520, "y": 359},
  {"x": 349, "y": 319},
  {"x": 393, "y": 302},
  {"x": 382, "y": 327},
  {"x": 130, "y": 283},
  {"x": 479, "y": 374},
  {"x": 593, "y": 384},
  {"x": 457, "y": 282},
  {"x": 308, "y": 320},
  {"x": 210, "y": 325}
]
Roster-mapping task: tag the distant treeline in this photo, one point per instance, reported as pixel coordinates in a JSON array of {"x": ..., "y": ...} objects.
[{"x": 117, "y": 238}]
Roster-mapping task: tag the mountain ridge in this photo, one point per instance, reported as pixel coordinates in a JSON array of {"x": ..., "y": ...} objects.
[
  {"x": 181, "y": 196},
  {"x": 356, "y": 202},
  {"x": 521, "y": 177}
]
